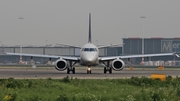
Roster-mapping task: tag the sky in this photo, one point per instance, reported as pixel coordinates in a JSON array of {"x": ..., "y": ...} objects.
[{"x": 66, "y": 21}]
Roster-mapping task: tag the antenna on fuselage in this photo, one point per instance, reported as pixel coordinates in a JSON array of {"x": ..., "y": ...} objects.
[{"x": 89, "y": 38}]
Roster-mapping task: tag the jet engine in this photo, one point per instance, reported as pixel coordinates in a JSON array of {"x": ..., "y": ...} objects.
[
  {"x": 117, "y": 64},
  {"x": 61, "y": 64}
]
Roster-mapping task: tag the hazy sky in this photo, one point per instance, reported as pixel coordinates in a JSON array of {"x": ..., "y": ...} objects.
[{"x": 66, "y": 21}]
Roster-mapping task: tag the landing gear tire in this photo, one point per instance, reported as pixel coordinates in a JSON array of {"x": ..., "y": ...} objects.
[
  {"x": 73, "y": 71},
  {"x": 104, "y": 70},
  {"x": 110, "y": 70},
  {"x": 88, "y": 71},
  {"x": 68, "y": 70}
]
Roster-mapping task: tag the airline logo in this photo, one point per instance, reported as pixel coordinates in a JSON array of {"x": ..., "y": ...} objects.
[{"x": 170, "y": 46}]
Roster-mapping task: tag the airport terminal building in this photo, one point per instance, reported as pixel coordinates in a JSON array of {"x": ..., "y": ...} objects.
[{"x": 152, "y": 45}]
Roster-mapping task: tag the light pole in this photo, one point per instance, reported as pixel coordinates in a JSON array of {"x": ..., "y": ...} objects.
[
  {"x": 2, "y": 47},
  {"x": 97, "y": 42},
  {"x": 20, "y": 18},
  {"x": 46, "y": 43},
  {"x": 143, "y": 17}
]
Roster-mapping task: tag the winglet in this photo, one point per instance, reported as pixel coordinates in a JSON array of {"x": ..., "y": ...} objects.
[{"x": 89, "y": 38}]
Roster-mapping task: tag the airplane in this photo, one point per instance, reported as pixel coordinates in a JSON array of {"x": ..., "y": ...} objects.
[{"x": 89, "y": 56}]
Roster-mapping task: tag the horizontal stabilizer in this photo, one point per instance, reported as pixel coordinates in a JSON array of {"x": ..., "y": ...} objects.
[
  {"x": 68, "y": 45},
  {"x": 112, "y": 45}
]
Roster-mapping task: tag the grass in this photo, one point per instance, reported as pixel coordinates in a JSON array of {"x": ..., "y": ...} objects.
[{"x": 68, "y": 89}]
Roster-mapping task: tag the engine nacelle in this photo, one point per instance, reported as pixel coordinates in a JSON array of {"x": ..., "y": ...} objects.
[
  {"x": 61, "y": 64},
  {"x": 117, "y": 64}
]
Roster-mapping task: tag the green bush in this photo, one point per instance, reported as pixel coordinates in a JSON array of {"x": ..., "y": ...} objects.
[
  {"x": 68, "y": 89},
  {"x": 34, "y": 98},
  {"x": 12, "y": 83},
  {"x": 10, "y": 97},
  {"x": 30, "y": 84},
  {"x": 178, "y": 91},
  {"x": 66, "y": 79},
  {"x": 62, "y": 97}
]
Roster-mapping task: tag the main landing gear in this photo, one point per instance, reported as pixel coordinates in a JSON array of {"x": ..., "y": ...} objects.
[
  {"x": 71, "y": 68},
  {"x": 107, "y": 67}
]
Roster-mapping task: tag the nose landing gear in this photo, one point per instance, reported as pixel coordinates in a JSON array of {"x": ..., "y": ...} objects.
[{"x": 88, "y": 70}]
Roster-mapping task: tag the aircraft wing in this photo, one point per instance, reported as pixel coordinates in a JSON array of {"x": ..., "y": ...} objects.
[
  {"x": 45, "y": 56},
  {"x": 136, "y": 56}
]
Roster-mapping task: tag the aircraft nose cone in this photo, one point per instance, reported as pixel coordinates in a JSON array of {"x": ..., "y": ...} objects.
[{"x": 89, "y": 58}]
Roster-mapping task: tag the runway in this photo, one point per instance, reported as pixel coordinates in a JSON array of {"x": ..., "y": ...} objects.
[{"x": 43, "y": 73}]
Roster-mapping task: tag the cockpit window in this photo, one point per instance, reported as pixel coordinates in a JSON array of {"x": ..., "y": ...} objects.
[
  {"x": 92, "y": 49},
  {"x": 86, "y": 49},
  {"x": 89, "y": 49}
]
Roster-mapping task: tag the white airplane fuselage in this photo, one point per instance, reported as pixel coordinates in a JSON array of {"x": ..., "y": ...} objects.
[{"x": 89, "y": 54}]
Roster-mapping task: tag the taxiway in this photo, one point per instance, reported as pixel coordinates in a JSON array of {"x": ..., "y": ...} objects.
[{"x": 43, "y": 73}]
